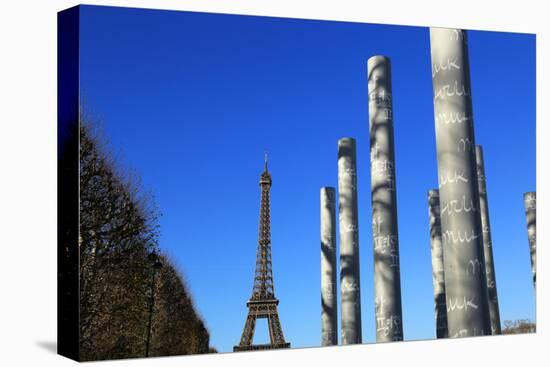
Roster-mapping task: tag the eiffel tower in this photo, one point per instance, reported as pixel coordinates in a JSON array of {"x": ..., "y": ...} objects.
[{"x": 263, "y": 303}]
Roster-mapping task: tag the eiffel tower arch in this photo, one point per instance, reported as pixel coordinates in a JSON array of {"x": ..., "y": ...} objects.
[{"x": 263, "y": 303}]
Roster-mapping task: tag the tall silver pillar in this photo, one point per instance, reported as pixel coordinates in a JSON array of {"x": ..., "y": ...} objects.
[
  {"x": 530, "y": 202},
  {"x": 494, "y": 312},
  {"x": 438, "y": 274},
  {"x": 329, "y": 317},
  {"x": 387, "y": 285},
  {"x": 349, "y": 242},
  {"x": 465, "y": 281}
]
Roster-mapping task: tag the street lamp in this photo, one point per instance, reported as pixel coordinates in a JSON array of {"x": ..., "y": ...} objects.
[{"x": 154, "y": 259}]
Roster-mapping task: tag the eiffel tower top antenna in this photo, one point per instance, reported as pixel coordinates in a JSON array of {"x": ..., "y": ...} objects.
[{"x": 265, "y": 161}]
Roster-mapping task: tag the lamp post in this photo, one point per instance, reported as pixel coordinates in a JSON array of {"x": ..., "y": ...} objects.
[{"x": 154, "y": 259}]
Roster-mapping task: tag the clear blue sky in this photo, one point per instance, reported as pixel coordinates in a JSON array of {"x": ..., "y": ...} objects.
[{"x": 191, "y": 101}]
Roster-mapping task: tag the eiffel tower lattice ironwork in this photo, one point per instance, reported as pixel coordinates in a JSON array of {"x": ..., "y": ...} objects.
[{"x": 263, "y": 303}]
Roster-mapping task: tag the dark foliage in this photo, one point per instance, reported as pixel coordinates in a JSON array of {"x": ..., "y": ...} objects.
[
  {"x": 176, "y": 326},
  {"x": 519, "y": 327},
  {"x": 118, "y": 230}
]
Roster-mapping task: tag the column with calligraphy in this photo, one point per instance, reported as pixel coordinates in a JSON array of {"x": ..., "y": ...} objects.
[
  {"x": 329, "y": 316},
  {"x": 349, "y": 242},
  {"x": 530, "y": 203},
  {"x": 494, "y": 312},
  {"x": 438, "y": 274},
  {"x": 387, "y": 283},
  {"x": 465, "y": 280}
]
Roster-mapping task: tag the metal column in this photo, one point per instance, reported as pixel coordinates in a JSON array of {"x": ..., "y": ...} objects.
[
  {"x": 349, "y": 242},
  {"x": 329, "y": 317},
  {"x": 387, "y": 283},
  {"x": 465, "y": 280}
]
